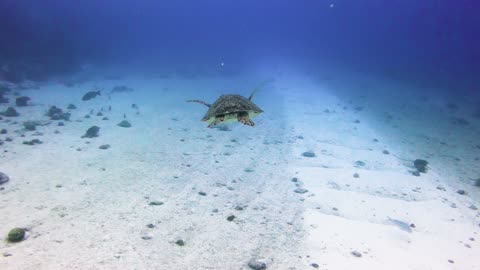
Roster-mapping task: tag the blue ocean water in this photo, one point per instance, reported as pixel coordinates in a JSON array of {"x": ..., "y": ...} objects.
[
  {"x": 431, "y": 42},
  {"x": 364, "y": 154}
]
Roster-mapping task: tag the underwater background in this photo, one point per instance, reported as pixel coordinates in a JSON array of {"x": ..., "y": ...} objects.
[
  {"x": 433, "y": 43},
  {"x": 340, "y": 134}
]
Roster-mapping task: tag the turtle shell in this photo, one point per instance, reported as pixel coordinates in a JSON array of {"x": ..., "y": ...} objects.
[{"x": 228, "y": 104}]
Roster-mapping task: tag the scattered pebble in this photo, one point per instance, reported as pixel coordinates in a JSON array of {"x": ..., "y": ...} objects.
[
  {"x": 309, "y": 154},
  {"x": 314, "y": 265},
  {"x": 3, "y": 178},
  {"x": 202, "y": 193},
  {"x": 104, "y": 146},
  {"x": 231, "y": 218},
  {"x": 32, "y": 142},
  {"x": 155, "y": 203},
  {"x": 180, "y": 242},
  {"x": 257, "y": 264},
  {"x": 385, "y": 152},
  {"x": 461, "y": 192},
  {"x": 301, "y": 190},
  {"x": 356, "y": 254},
  {"x": 150, "y": 226},
  {"x": 92, "y": 132},
  {"x": 356, "y": 175},
  {"x": 420, "y": 165},
  {"x": 146, "y": 237},
  {"x": 16, "y": 235},
  {"x": 359, "y": 163},
  {"x": 124, "y": 123}
]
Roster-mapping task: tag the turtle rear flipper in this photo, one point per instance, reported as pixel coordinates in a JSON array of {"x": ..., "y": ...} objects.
[
  {"x": 217, "y": 120},
  {"x": 200, "y": 101},
  {"x": 245, "y": 119}
]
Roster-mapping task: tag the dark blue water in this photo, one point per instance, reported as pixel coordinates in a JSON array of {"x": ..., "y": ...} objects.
[{"x": 429, "y": 42}]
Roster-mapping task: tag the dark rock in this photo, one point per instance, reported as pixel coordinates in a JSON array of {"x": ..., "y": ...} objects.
[
  {"x": 8, "y": 139},
  {"x": 257, "y": 264},
  {"x": 87, "y": 116},
  {"x": 71, "y": 107},
  {"x": 231, "y": 218},
  {"x": 104, "y": 146},
  {"x": 301, "y": 190},
  {"x": 3, "y": 131},
  {"x": 461, "y": 192},
  {"x": 180, "y": 242},
  {"x": 359, "y": 163},
  {"x": 309, "y": 154},
  {"x": 16, "y": 235},
  {"x": 105, "y": 118},
  {"x": 155, "y": 203},
  {"x": 10, "y": 112},
  {"x": 22, "y": 101},
  {"x": 124, "y": 124},
  {"x": 385, "y": 152},
  {"x": 202, "y": 193},
  {"x": 150, "y": 226},
  {"x": 30, "y": 125},
  {"x": 356, "y": 254},
  {"x": 294, "y": 179},
  {"x": 314, "y": 265},
  {"x": 421, "y": 165},
  {"x": 57, "y": 114},
  {"x": 92, "y": 132},
  {"x": 356, "y": 175},
  {"x": 4, "y": 178},
  {"x": 32, "y": 142},
  {"x": 99, "y": 114},
  {"x": 61, "y": 124},
  {"x": 147, "y": 237}
]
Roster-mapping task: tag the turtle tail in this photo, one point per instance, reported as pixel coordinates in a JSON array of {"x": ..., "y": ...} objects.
[{"x": 199, "y": 101}]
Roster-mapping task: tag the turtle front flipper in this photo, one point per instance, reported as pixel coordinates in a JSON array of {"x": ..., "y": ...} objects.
[
  {"x": 217, "y": 120},
  {"x": 245, "y": 119}
]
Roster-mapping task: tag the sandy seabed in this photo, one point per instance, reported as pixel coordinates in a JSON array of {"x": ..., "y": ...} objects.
[{"x": 88, "y": 208}]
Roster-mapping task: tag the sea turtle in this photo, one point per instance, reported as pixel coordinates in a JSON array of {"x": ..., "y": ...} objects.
[{"x": 230, "y": 108}]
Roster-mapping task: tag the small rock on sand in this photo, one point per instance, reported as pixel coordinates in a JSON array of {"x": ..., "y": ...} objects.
[
  {"x": 309, "y": 154},
  {"x": 356, "y": 254},
  {"x": 257, "y": 264},
  {"x": 301, "y": 190},
  {"x": 104, "y": 146}
]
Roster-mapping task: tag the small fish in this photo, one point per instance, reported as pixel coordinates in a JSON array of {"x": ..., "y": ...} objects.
[
  {"x": 90, "y": 95},
  {"x": 400, "y": 224}
]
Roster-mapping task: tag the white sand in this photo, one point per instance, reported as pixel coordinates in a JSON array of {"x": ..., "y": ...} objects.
[{"x": 97, "y": 218}]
